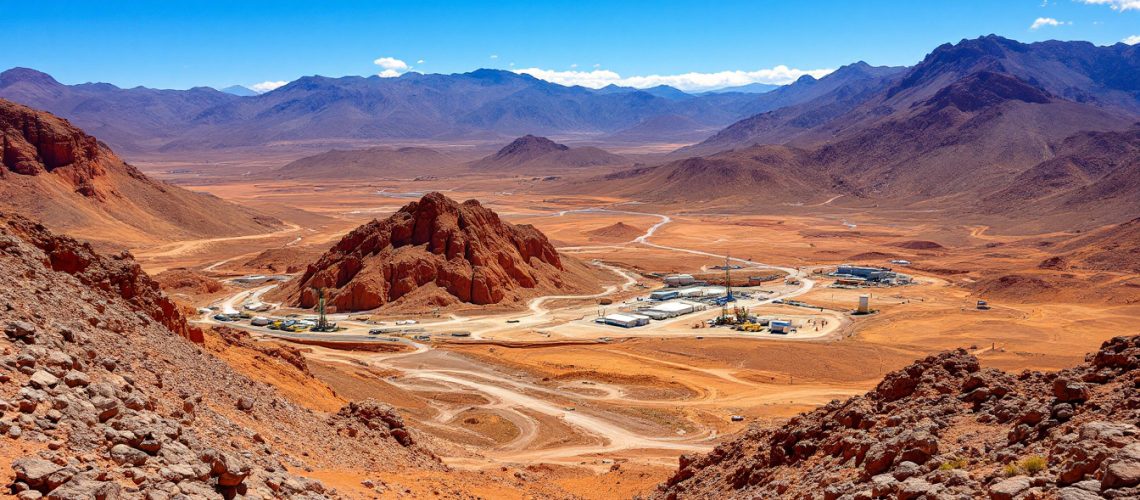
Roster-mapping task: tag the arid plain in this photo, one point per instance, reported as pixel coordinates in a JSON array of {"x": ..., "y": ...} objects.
[{"x": 535, "y": 386}]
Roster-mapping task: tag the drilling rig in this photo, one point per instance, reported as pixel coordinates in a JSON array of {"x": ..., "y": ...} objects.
[
  {"x": 323, "y": 324},
  {"x": 727, "y": 317}
]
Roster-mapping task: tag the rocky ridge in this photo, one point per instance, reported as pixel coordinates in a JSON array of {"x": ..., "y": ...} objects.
[
  {"x": 944, "y": 427},
  {"x": 60, "y": 176}
]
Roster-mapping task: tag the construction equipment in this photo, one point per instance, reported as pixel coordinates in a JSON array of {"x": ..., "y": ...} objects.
[
  {"x": 323, "y": 324},
  {"x": 750, "y": 327}
]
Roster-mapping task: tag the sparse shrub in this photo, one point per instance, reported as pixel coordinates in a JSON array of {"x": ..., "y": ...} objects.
[
  {"x": 954, "y": 463},
  {"x": 1033, "y": 464},
  {"x": 1028, "y": 465},
  {"x": 1010, "y": 470}
]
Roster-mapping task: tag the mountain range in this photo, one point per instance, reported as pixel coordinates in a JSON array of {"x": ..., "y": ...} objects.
[
  {"x": 481, "y": 104},
  {"x": 988, "y": 126},
  {"x": 857, "y": 96}
]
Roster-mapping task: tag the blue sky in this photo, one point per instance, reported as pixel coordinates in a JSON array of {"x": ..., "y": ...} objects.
[{"x": 167, "y": 44}]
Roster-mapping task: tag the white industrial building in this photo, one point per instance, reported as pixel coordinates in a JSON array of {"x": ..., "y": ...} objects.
[
  {"x": 701, "y": 291},
  {"x": 678, "y": 279},
  {"x": 625, "y": 320},
  {"x": 673, "y": 309}
]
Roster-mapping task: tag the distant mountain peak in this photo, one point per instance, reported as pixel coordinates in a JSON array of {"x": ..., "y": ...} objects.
[
  {"x": 16, "y": 75},
  {"x": 529, "y": 146},
  {"x": 239, "y": 90},
  {"x": 496, "y": 75}
]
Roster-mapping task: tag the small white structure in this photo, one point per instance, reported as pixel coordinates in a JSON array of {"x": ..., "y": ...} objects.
[
  {"x": 780, "y": 326},
  {"x": 864, "y": 304},
  {"x": 258, "y": 306},
  {"x": 259, "y": 321},
  {"x": 625, "y": 320},
  {"x": 663, "y": 295},
  {"x": 701, "y": 291},
  {"x": 678, "y": 279}
]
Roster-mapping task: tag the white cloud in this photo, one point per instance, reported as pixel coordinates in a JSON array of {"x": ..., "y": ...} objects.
[
  {"x": 1132, "y": 40},
  {"x": 1121, "y": 5},
  {"x": 599, "y": 78},
  {"x": 266, "y": 86},
  {"x": 1046, "y": 21},
  {"x": 421, "y": 61},
  {"x": 494, "y": 56},
  {"x": 390, "y": 67}
]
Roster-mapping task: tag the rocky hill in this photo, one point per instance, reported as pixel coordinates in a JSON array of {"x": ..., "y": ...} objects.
[
  {"x": 530, "y": 154},
  {"x": 796, "y": 109},
  {"x": 57, "y": 174},
  {"x": 946, "y": 428},
  {"x": 436, "y": 253},
  {"x": 104, "y": 392},
  {"x": 1114, "y": 248}
]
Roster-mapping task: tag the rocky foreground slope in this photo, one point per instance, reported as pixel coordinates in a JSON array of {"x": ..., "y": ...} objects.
[
  {"x": 436, "y": 252},
  {"x": 104, "y": 393},
  {"x": 946, "y": 428}
]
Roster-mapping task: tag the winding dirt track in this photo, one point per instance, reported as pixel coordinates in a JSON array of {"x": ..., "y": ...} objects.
[{"x": 511, "y": 396}]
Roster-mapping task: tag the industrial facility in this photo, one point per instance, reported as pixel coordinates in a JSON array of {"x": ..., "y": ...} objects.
[
  {"x": 659, "y": 311},
  {"x": 852, "y": 275},
  {"x": 691, "y": 292}
]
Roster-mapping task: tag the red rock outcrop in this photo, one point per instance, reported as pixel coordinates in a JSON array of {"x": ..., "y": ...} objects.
[
  {"x": 946, "y": 428},
  {"x": 463, "y": 249},
  {"x": 34, "y": 143},
  {"x": 117, "y": 275}
]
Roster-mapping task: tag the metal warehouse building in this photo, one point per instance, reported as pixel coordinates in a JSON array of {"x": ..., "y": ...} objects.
[
  {"x": 678, "y": 279},
  {"x": 667, "y": 310},
  {"x": 625, "y": 320}
]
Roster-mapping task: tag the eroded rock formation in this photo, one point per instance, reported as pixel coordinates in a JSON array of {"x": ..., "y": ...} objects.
[
  {"x": 462, "y": 249},
  {"x": 946, "y": 428}
]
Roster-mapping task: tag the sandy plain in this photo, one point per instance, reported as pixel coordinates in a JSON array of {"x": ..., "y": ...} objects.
[{"x": 543, "y": 389}]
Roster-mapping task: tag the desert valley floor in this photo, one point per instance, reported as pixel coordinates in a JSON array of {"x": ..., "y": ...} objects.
[{"x": 605, "y": 411}]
